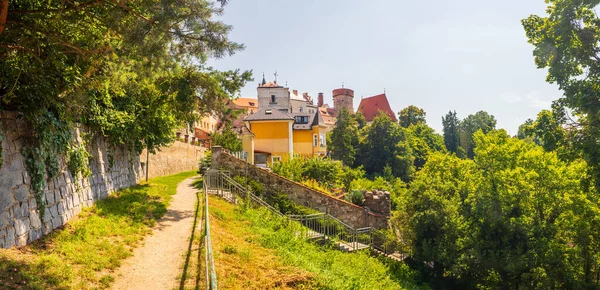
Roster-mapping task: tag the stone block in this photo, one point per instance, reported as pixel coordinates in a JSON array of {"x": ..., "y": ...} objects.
[
  {"x": 3, "y": 219},
  {"x": 53, "y": 211},
  {"x": 21, "y": 226},
  {"x": 35, "y": 219},
  {"x": 22, "y": 193},
  {"x": 21, "y": 240},
  {"x": 49, "y": 197},
  {"x": 35, "y": 234}
]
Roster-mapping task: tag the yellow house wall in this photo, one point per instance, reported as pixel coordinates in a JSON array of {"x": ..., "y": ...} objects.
[
  {"x": 303, "y": 142},
  {"x": 248, "y": 146},
  {"x": 271, "y": 137},
  {"x": 318, "y": 150}
]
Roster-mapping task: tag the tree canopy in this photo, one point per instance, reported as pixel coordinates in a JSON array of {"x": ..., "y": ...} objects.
[
  {"x": 411, "y": 115},
  {"x": 567, "y": 43}
]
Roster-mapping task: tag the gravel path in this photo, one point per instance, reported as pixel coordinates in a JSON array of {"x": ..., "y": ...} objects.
[{"x": 157, "y": 264}]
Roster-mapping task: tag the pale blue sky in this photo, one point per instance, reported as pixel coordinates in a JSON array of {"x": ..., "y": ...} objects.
[{"x": 465, "y": 55}]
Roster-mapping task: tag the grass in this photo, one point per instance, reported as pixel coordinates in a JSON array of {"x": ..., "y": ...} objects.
[
  {"x": 85, "y": 252},
  {"x": 254, "y": 249}
]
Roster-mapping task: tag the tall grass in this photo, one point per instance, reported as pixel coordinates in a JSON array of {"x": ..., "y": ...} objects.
[
  {"x": 248, "y": 234},
  {"x": 83, "y": 254}
]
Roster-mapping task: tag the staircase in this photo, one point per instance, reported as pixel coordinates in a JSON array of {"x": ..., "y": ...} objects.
[{"x": 320, "y": 226}]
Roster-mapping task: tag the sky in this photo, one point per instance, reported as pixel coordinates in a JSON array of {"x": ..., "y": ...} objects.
[{"x": 465, "y": 55}]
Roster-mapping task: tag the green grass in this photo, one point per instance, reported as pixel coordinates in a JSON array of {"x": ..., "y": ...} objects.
[
  {"x": 84, "y": 253},
  {"x": 249, "y": 243}
]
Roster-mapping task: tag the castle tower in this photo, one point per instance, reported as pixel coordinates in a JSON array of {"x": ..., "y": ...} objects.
[{"x": 343, "y": 98}]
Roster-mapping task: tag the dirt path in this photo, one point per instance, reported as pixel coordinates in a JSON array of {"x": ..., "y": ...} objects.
[{"x": 156, "y": 264}]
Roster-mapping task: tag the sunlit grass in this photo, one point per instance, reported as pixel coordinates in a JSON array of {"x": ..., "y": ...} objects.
[{"x": 83, "y": 254}]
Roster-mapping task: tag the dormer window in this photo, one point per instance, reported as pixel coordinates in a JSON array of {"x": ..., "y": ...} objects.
[{"x": 301, "y": 119}]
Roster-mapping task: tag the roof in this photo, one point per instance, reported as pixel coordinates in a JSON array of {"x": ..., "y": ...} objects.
[
  {"x": 269, "y": 85},
  {"x": 246, "y": 102},
  {"x": 274, "y": 115},
  {"x": 371, "y": 106}
]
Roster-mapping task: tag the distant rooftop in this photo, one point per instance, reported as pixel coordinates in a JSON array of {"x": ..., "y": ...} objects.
[{"x": 371, "y": 106}]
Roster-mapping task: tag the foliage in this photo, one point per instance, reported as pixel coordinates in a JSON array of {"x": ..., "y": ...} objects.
[
  {"x": 1, "y": 148},
  {"x": 78, "y": 161},
  {"x": 411, "y": 115},
  {"x": 84, "y": 253},
  {"x": 344, "y": 138},
  {"x": 566, "y": 42},
  {"x": 205, "y": 162},
  {"x": 471, "y": 124},
  {"x": 228, "y": 139},
  {"x": 361, "y": 122},
  {"x": 317, "y": 173},
  {"x": 355, "y": 197},
  {"x": 262, "y": 234},
  {"x": 510, "y": 217},
  {"x": 423, "y": 141},
  {"x": 133, "y": 73},
  {"x": 383, "y": 143},
  {"x": 451, "y": 125}
]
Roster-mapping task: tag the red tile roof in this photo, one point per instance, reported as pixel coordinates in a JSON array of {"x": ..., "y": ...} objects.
[
  {"x": 371, "y": 106},
  {"x": 246, "y": 103}
]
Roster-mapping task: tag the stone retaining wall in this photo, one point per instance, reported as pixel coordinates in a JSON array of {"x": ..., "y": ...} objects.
[
  {"x": 355, "y": 216},
  {"x": 112, "y": 168}
]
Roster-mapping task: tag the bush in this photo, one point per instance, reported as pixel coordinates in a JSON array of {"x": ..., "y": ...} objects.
[
  {"x": 205, "y": 162},
  {"x": 355, "y": 197}
]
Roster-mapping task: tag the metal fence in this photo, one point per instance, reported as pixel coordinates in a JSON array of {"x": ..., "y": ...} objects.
[
  {"x": 314, "y": 226},
  {"x": 211, "y": 275}
]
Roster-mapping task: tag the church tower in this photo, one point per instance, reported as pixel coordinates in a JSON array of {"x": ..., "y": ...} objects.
[{"x": 343, "y": 98}]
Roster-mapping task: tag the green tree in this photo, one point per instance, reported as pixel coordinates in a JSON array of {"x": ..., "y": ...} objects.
[
  {"x": 411, "y": 115},
  {"x": 545, "y": 131},
  {"x": 382, "y": 143},
  {"x": 471, "y": 124},
  {"x": 423, "y": 141},
  {"x": 360, "y": 120},
  {"x": 344, "y": 138},
  {"x": 451, "y": 125},
  {"x": 227, "y": 139},
  {"x": 567, "y": 42}
]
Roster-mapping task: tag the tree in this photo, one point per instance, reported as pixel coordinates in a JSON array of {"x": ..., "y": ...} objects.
[
  {"x": 545, "y": 131},
  {"x": 132, "y": 72},
  {"x": 451, "y": 125},
  {"x": 514, "y": 217},
  {"x": 360, "y": 120},
  {"x": 411, "y": 115},
  {"x": 423, "y": 141},
  {"x": 567, "y": 42},
  {"x": 471, "y": 124},
  {"x": 382, "y": 143},
  {"x": 344, "y": 138},
  {"x": 227, "y": 139}
]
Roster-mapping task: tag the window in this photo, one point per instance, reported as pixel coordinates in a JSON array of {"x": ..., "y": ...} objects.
[
  {"x": 315, "y": 140},
  {"x": 251, "y": 104},
  {"x": 275, "y": 159},
  {"x": 301, "y": 119},
  {"x": 273, "y": 99},
  {"x": 300, "y": 109},
  {"x": 322, "y": 140}
]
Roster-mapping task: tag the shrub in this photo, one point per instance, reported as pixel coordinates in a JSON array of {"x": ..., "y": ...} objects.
[{"x": 355, "y": 197}]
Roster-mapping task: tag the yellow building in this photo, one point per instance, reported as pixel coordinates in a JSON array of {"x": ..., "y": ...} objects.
[{"x": 278, "y": 135}]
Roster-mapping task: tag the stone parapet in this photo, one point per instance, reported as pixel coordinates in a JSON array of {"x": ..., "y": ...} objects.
[{"x": 353, "y": 215}]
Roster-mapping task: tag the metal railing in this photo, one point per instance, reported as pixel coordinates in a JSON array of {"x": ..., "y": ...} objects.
[
  {"x": 320, "y": 225},
  {"x": 211, "y": 274}
]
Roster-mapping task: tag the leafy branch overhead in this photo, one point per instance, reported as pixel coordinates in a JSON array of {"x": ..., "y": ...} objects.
[{"x": 133, "y": 71}]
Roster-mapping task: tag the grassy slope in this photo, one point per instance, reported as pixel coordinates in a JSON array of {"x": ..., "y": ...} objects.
[
  {"x": 255, "y": 250},
  {"x": 83, "y": 254}
]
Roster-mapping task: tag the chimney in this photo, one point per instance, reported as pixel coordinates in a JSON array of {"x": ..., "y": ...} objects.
[
  {"x": 320, "y": 104},
  {"x": 295, "y": 92}
]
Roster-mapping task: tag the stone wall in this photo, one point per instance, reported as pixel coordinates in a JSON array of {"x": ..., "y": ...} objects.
[
  {"x": 377, "y": 201},
  {"x": 112, "y": 168},
  {"x": 349, "y": 213},
  {"x": 176, "y": 158}
]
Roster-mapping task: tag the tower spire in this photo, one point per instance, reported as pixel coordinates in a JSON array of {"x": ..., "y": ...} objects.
[{"x": 264, "y": 81}]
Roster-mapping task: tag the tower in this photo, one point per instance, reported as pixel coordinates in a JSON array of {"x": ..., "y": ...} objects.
[{"x": 343, "y": 98}]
